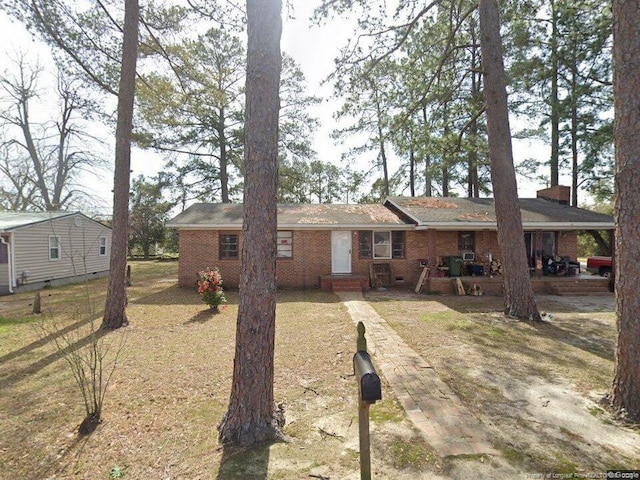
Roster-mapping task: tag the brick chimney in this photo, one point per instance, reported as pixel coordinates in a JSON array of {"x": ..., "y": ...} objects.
[{"x": 558, "y": 193}]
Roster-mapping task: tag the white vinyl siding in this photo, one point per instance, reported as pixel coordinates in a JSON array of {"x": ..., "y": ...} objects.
[{"x": 78, "y": 249}]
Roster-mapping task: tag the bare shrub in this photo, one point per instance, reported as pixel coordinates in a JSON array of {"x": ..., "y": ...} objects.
[{"x": 92, "y": 361}]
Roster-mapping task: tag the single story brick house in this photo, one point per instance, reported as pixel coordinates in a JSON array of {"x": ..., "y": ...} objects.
[
  {"x": 388, "y": 243},
  {"x": 50, "y": 248}
]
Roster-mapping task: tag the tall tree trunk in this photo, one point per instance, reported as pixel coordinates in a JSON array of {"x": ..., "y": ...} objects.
[
  {"x": 428, "y": 178},
  {"x": 412, "y": 169},
  {"x": 251, "y": 417},
  {"x": 519, "y": 299},
  {"x": 625, "y": 388},
  {"x": 115, "y": 315},
  {"x": 445, "y": 150},
  {"x": 222, "y": 140},
  {"x": 473, "y": 183},
  {"x": 574, "y": 129},
  {"x": 555, "y": 105},
  {"x": 383, "y": 152}
]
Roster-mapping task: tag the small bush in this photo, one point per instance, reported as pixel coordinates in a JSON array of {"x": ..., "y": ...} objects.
[{"x": 210, "y": 288}]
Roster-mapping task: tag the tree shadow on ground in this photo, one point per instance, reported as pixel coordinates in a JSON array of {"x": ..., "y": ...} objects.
[
  {"x": 66, "y": 456},
  {"x": 596, "y": 345},
  {"x": 42, "y": 341},
  {"x": 244, "y": 463},
  {"x": 177, "y": 295},
  {"x": 23, "y": 373},
  {"x": 491, "y": 303},
  {"x": 171, "y": 295},
  {"x": 202, "y": 317}
]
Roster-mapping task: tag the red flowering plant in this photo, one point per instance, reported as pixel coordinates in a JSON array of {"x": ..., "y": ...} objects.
[{"x": 210, "y": 288}]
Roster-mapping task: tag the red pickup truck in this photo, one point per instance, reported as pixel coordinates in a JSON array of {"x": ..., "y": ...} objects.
[{"x": 599, "y": 265}]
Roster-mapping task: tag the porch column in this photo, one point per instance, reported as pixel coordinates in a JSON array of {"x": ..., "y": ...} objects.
[
  {"x": 486, "y": 250},
  {"x": 432, "y": 252}
]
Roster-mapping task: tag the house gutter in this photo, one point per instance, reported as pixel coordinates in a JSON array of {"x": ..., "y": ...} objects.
[
  {"x": 526, "y": 226},
  {"x": 297, "y": 226}
]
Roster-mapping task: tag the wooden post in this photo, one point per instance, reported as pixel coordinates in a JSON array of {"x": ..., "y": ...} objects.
[
  {"x": 361, "y": 344},
  {"x": 365, "y": 441},
  {"x": 363, "y": 417},
  {"x": 36, "y": 303},
  {"x": 128, "y": 275}
]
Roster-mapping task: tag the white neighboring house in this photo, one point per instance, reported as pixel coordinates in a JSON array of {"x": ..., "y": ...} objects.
[{"x": 50, "y": 248}]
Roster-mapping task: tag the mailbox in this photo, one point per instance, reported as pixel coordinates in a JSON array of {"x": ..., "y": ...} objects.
[{"x": 367, "y": 378}]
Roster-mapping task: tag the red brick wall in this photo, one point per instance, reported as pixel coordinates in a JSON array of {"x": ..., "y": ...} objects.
[
  {"x": 312, "y": 255},
  {"x": 199, "y": 250},
  {"x": 311, "y": 258},
  {"x": 568, "y": 244},
  {"x": 404, "y": 271}
]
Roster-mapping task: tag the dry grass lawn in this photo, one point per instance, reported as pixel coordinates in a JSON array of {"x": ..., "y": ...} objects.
[{"x": 172, "y": 381}]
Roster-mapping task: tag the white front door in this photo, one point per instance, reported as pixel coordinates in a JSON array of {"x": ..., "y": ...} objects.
[{"x": 340, "y": 252}]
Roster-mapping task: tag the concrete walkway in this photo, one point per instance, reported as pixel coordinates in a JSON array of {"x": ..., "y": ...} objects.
[{"x": 448, "y": 426}]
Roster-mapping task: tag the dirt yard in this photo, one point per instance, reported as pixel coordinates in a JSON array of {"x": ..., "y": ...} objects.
[{"x": 534, "y": 387}]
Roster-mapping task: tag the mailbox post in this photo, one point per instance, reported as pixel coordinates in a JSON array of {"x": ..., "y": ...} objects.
[{"x": 369, "y": 391}]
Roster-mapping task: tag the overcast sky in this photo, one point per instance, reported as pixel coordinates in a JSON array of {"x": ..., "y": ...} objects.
[{"x": 314, "y": 48}]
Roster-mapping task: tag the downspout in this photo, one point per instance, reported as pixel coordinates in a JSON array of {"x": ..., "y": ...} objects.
[{"x": 9, "y": 260}]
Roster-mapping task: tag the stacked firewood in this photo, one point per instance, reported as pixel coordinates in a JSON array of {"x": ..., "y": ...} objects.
[{"x": 496, "y": 267}]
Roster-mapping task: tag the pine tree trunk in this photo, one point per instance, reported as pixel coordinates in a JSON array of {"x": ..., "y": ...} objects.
[
  {"x": 555, "y": 102},
  {"x": 251, "y": 417},
  {"x": 625, "y": 389},
  {"x": 222, "y": 140},
  {"x": 518, "y": 293},
  {"x": 115, "y": 315}
]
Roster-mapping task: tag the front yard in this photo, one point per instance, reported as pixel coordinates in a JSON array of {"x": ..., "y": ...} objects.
[{"x": 530, "y": 385}]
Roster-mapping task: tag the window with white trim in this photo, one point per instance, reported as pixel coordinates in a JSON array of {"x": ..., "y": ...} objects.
[
  {"x": 54, "y": 247},
  {"x": 102, "y": 249},
  {"x": 382, "y": 245},
  {"x": 285, "y": 244}
]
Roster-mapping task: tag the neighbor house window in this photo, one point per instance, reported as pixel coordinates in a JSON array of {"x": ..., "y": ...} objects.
[
  {"x": 285, "y": 244},
  {"x": 228, "y": 246},
  {"x": 466, "y": 242},
  {"x": 4, "y": 253},
  {"x": 382, "y": 245},
  {"x": 54, "y": 247},
  {"x": 102, "y": 250}
]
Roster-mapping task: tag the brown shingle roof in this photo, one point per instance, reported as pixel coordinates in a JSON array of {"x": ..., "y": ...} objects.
[
  {"x": 476, "y": 212},
  {"x": 218, "y": 215}
]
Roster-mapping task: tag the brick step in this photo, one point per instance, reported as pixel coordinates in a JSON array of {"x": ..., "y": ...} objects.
[
  {"x": 347, "y": 289},
  {"x": 582, "y": 294},
  {"x": 580, "y": 290},
  {"x": 346, "y": 285}
]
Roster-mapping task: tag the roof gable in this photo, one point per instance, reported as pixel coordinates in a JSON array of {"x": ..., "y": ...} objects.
[
  {"x": 454, "y": 212},
  {"x": 15, "y": 220}
]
